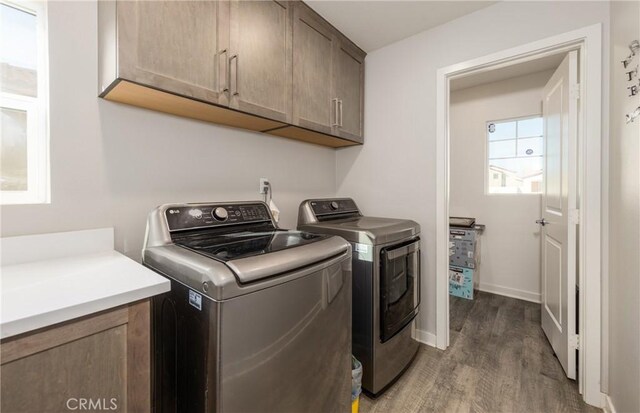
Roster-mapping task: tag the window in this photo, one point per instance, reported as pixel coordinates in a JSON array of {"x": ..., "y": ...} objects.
[
  {"x": 515, "y": 149},
  {"x": 24, "y": 154}
]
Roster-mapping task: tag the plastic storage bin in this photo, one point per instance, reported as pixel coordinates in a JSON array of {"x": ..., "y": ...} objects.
[{"x": 356, "y": 384}]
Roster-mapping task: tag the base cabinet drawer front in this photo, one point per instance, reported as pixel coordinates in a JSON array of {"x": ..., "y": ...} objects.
[
  {"x": 314, "y": 106},
  {"x": 73, "y": 366},
  {"x": 59, "y": 379},
  {"x": 260, "y": 57},
  {"x": 349, "y": 90},
  {"x": 175, "y": 46}
]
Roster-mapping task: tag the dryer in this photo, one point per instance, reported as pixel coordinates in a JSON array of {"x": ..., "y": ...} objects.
[{"x": 386, "y": 284}]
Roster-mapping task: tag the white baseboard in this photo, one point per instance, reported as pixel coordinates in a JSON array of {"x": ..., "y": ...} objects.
[
  {"x": 425, "y": 337},
  {"x": 608, "y": 404},
  {"x": 510, "y": 292}
]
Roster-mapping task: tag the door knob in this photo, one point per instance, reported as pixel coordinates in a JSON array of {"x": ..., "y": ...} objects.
[{"x": 542, "y": 222}]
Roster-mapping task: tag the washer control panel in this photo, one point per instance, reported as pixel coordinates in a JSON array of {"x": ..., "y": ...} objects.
[
  {"x": 183, "y": 217},
  {"x": 333, "y": 206}
]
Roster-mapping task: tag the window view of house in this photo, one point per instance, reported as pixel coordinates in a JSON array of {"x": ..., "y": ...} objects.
[
  {"x": 515, "y": 150},
  {"x": 23, "y": 159}
]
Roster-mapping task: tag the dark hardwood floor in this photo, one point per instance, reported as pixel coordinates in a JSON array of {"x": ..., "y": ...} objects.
[{"x": 498, "y": 361}]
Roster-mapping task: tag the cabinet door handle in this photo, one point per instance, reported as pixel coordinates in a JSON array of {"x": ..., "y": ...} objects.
[
  {"x": 340, "y": 102},
  {"x": 334, "y": 104},
  {"x": 224, "y": 78},
  {"x": 235, "y": 81}
]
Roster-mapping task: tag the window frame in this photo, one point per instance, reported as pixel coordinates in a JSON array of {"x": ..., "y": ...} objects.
[
  {"x": 37, "y": 108},
  {"x": 487, "y": 189}
]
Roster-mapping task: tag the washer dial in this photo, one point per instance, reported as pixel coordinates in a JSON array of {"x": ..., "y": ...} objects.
[{"x": 220, "y": 214}]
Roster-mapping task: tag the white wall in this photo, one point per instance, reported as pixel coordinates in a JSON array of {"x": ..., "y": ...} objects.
[
  {"x": 624, "y": 212},
  {"x": 111, "y": 164},
  {"x": 510, "y": 248},
  {"x": 394, "y": 174}
]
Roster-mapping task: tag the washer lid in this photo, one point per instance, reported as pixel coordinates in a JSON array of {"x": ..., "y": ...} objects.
[
  {"x": 253, "y": 256},
  {"x": 258, "y": 267},
  {"x": 366, "y": 230},
  {"x": 231, "y": 246},
  {"x": 225, "y": 280}
]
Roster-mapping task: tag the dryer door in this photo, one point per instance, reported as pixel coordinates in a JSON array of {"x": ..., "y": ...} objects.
[{"x": 399, "y": 286}]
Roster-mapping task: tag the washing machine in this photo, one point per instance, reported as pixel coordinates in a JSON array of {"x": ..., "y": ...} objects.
[
  {"x": 257, "y": 319},
  {"x": 386, "y": 284}
]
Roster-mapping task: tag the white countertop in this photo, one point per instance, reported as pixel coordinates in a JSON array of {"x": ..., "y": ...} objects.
[{"x": 51, "y": 278}]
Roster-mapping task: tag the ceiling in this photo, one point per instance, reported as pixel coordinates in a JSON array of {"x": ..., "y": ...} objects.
[
  {"x": 374, "y": 24},
  {"x": 508, "y": 72}
]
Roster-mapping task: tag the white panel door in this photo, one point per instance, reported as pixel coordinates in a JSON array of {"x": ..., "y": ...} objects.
[{"x": 559, "y": 212}]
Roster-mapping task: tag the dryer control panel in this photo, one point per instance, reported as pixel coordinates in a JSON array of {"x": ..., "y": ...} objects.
[
  {"x": 194, "y": 216},
  {"x": 333, "y": 206}
]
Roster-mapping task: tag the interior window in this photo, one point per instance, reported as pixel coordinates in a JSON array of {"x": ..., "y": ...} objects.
[
  {"x": 23, "y": 105},
  {"x": 514, "y": 151}
]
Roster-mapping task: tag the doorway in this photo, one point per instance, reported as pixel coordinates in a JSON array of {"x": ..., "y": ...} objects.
[
  {"x": 504, "y": 137},
  {"x": 588, "y": 175}
]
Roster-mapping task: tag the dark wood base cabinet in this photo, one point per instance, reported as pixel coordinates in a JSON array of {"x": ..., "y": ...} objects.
[{"x": 99, "y": 362}]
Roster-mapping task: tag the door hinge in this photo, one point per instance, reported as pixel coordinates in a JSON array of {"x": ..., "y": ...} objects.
[
  {"x": 574, "y": 216},
  {"x": 575, "y": 91},
  {"x": 574, "y": 341}
]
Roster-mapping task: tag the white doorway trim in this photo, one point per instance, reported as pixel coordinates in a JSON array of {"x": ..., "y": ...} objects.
[{"x": 588, "y": 41}]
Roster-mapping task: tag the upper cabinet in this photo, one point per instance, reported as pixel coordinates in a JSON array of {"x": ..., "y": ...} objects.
[
  {"x": 349, "y": 90},
  {"x": 314, "y": 102},
  {"x": 328, "y": 78},
  {"x": 260, "y": 58},
  {"x": 172, "y": 45},
  {"x": 269, "y": 66}
]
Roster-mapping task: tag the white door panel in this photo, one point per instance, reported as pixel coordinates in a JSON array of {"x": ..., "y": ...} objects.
[
  {"x": 552, "y": 281},
  {"x": 553, "y": 154},
  {"x": 559, "y": 196}
]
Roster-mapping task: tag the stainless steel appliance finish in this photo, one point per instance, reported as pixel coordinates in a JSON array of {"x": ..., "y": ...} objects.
[
  {"x": 386, "y": 284},
  {"x": 257, "y": 319}
]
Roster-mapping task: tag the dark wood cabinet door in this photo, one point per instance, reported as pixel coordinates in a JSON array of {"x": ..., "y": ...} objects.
[
  {"x": 176, "y": 46},
  {"x": 105, "y": 357},
  {"x": 314, "y": 103},
  {"x": 260, "y": 58},
  {"x": 349, "y": 90}
]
